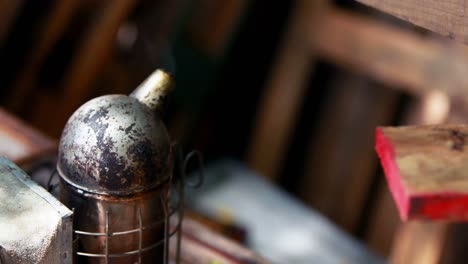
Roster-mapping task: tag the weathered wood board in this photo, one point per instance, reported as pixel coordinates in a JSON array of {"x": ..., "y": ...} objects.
[
  {"x": 392, "y": 55},
  {"x": 34, "y": 226},
  {"x": 22, "y": 143},
  {"x": 427, "y": 170},
  {"x": 446, "y": 17}
]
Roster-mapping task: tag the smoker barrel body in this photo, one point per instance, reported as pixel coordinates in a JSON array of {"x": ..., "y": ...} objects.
[
  {"x": 115, "y": 165},
  {"x": 117, "y": 220}
]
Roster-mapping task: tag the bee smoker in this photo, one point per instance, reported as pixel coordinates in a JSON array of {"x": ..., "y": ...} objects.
[{"x": 115, "y": 164}]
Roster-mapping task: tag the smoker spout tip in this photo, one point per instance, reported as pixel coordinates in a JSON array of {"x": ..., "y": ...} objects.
[{"x": 154, "y": 89}]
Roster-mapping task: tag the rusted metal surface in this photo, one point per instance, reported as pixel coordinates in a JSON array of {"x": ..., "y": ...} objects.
[
  {"x": 115, "y": 164},
  {"x": 93, "y": 211},
  {"x": 114, "y": 145}
]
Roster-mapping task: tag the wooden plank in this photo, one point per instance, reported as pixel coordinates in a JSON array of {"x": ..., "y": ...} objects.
[
  {"x": 213, "y": 24},
  {"x": 413, "y": 63},
  {"x": 20, "y": 142},
  {"x": 54, "y": 26},
  {"x": 447, "y": 17},
  {"x": 8, "y": 13},
  {"x": 391, "y": 55},
  {"x": 419, "y": 242},
  {"x": 87, "y": 63},
  {"x": 342, "y": 162},
  {"x": 384, "y": 222},
  {"x": 400, "y": 59},
  {"x": 282, "y": 98},
  {"x": 455, "y": 250},
  {"x": 426, "y": 170},
  {"x": 36, "y": 227}
]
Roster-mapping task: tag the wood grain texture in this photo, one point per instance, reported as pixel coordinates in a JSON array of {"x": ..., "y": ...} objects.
[
  {"x": 341, "y": 162},
  {"x": 8, "y": 12},
  {"x": 93, "y": 53},
  {"x": 20, "y": 142},
  {"x": 426, "y": 170},
  {"x": 54, "y": 26},
  {"x": 213, "y": 24},
  {"x": 394, "y": 56},
  {"x": 447, "y": 17},
  {"x": 384, "y": 222},
  {"x": 283, "y": 95},
  {"x": 419, "y": 242}
]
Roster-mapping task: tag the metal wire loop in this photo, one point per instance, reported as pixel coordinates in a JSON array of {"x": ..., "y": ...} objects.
[
  {"x": 182, "y": 165},
  {"x": 201, "y": 176},
  {"x": 50, "y": 187}
]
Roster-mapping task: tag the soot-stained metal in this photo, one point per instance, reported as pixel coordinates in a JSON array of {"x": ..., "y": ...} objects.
[
  {"x": 115, "y": 164},
  {"x": 115, "y": 144}
]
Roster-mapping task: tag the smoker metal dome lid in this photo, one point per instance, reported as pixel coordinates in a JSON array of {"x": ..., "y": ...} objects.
[{"x": 116, "y": 145}]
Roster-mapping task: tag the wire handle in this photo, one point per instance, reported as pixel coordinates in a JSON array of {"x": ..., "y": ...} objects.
[{"x": 182, "y": 165}]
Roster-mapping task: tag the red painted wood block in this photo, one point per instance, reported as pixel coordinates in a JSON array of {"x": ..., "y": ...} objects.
[{"x": 426, "y": 168}]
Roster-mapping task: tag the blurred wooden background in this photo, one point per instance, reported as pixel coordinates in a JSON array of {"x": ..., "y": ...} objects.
[{"x": 295, "y": 89}]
